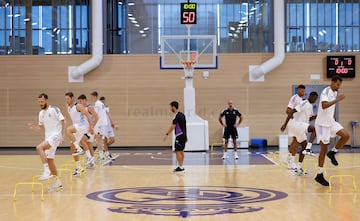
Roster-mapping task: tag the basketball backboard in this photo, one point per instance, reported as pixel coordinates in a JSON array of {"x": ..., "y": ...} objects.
[{"x": 177, "y": 49}]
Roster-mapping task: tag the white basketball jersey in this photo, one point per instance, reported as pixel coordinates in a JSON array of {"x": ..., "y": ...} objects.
[
  {"x": 304, "y": 112},
  {"x": 76, "y": 116},
  {"x": 325, "y": 117},
  {"x": 101, "y": 112},
  {"x": 51, "y": 119}
]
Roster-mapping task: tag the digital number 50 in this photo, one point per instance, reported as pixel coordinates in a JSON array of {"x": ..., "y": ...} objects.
[{"x": 189, "y": 17}]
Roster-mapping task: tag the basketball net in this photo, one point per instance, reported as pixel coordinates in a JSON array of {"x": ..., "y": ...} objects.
[{"x": 188, "y": 65}]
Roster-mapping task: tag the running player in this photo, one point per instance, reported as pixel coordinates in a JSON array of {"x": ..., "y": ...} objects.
[
  {"x": 232, "y": 120},
  {"x": 52, "y": 121},
  {"x": 109, "y": 131},
  {"x": 100, "y": 125},
  {"x": 179, "y": 125},
  {"x": 81, "y": 124},
  {"x": 327, "y": 127},
  {"x": 89, "y": 137},
  {"x": 294, "y": 101},
  {"x": 299, "y": 126}
]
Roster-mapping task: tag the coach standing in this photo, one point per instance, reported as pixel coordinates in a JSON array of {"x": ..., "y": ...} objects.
[{"x": 232, "y": 118}]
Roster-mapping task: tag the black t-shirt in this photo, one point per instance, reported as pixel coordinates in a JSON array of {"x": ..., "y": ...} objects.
[
  {"x": 230, "y": 116},
  {"x": 180, "y": 122}
]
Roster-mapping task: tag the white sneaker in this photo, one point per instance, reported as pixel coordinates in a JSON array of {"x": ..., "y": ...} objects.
[
  {"x": 300, "y": 172},
  {"x": 224, "y": 156},
  {"x": 308, "y": 152},
  {"x": 236, "y": 156},
  {"x": 291, "y": 165},
  {"x": 78, "y": 150},
  {"x": 45, "y": 175},
  {"x": 56, "y": 186},
  {"x": 90, "y": 163},
  {"x": 78, "y": 172}
]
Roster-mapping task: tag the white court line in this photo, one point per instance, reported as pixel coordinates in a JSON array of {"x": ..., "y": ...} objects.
[
  {"x": 113, "y": 158},
  {"x": 270, "y": 159}
]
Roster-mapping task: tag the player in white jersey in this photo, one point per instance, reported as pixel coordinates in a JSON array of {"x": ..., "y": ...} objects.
[
  {"x": 299, "y": 126},
  {"x": 326, "y": 126},
  {"x": 294, "y": 101},
  {"x": 52, "y": 121},
  {"x": 100, "y": 125},
  {"x": 81, "y": 124},
  {"x": 89, "y": 138},
  {"x": 109, "y": 131}
]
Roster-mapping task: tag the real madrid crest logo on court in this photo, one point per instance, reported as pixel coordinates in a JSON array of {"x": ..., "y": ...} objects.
[{"x": 187, "y": 200}]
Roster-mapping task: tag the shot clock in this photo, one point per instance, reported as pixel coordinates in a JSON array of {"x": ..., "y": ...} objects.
[
  {"x": 343, "y": 66},
  {"x": 188, "y": 13}
]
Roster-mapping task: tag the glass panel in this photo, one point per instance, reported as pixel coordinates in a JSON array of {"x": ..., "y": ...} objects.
[{"x": 329, "y": 26}]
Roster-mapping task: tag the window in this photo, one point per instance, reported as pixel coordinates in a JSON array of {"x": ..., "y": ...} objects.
[
  {"x": 53, "y": 27},
  {"x": 322, "y": 26}
]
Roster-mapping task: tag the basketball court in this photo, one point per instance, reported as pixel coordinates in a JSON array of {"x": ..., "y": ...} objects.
[{"x": 140, "y": 185}]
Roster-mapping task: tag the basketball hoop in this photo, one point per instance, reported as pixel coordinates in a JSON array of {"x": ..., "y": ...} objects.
[{"x": 188, "y": 65}]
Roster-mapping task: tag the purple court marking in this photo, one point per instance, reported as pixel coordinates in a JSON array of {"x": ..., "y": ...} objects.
[{"x": 186, "y": 201}]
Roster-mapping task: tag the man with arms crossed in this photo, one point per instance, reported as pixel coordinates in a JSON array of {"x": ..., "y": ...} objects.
[{"x": 326, "y": 127}]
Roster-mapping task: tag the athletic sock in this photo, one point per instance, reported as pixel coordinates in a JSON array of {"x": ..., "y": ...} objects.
[
  {"x": 101, "y": 154},
  {"x": 309, "y": 145},
  {"x": 320, "y": 170},
  {"x": 299, "y": 165},
  {"x": 78, "y": 164},
  {"x": 46, "y": 166},
  {"x": 88, "y": 155},
  {"x": 334, "y": 149}
]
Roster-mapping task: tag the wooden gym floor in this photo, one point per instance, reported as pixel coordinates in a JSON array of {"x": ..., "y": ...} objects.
[{"x": 140, "y": 185}]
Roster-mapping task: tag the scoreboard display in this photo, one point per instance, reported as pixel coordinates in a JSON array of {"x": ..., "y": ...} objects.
[
  {"x": 343, "y": 66},
  {"x": 188, "y": 13}
]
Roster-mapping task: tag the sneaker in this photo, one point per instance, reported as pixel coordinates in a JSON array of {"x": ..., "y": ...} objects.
[
  {"x": 236, "y": 156},
  {"x": 308, "y": 152},
  {"x": 331, "y": 155},
  {"x": 300, "y": 172},
  {"x": 224, "y": 156},
  {"x": 178, "y": 169},
  {"x": 56, "y": 186},
  {"x": 78, "y": 172},
  {"x": 110, "y": 157},
  {"x": 320, "y": 179},
  {"x": 90, "y": 163},
  {"x": 78, "y": 150},
  {"x": 45, "y": 175},
  {"x": 291, "y": 165}
]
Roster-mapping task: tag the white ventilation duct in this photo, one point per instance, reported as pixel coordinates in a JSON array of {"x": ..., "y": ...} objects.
[
  {"x": 76, "y": 73},
  {"x": 257, "y": 72}
]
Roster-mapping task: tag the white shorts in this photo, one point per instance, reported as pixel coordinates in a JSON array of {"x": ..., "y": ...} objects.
[
  {"x": 100, "y": 129},
  {"x": 298, "y": 130},
  {"x": 324, "y": 133},
  {"x": 81, "y": 130},
  {"x": 109, "y": 132},
  {"x": 91, "y": 137},
  {"x": 54, "y": 141}
]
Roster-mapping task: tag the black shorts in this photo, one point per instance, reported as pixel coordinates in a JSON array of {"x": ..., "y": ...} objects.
[
  {"x": 230, "y": 131},
  {"x": 180, "y": 142}
]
